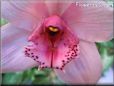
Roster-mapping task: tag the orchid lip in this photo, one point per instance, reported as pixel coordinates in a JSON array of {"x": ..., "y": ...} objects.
[{"x": 55, "y": 47}]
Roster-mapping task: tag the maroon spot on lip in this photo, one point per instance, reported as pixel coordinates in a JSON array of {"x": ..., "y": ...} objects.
[
  {"x": 63, "y": 61},
  {"x": 28, "y": 49},
  {"x": 68, "y": 58},
  {"x": 43, "y": 63},
  {"x": 61, "y": 68},
  {"x": 45, "y": 66},
  {"x": 38, "y": 61},
  {"x": 57, "y": 67},
  {"x": 75, "y": 45},
  {"x": 42, "y": 67},
  {"x": 32, "y": 56},
  {"x": 71, "y": 57},
  {"x": 72, "y": 53},
  {"x": 36, "y": 56},
  {"x": 75, "y": 54},
  {"x": 67, "y": 61},
  {"x": 27, "y": 54}
]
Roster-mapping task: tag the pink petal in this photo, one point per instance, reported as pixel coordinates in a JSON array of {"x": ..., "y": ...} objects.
[
  {"x": 86, "y": 69},
  {"x": 24, "y": 14},
  {"x": 57, "y": 7},
  {"x": 13, "y": 59},
  {"x": 92, "y": 23}
]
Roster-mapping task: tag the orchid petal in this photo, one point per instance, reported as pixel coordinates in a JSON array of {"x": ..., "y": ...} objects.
[
  {"x": 13, "y": 40},
  {"x": 57, "y": 7},
  {"x": 90, "y": 20},
  {"x": 24, "y": 14},
  {"x": 86, "y": 69}
]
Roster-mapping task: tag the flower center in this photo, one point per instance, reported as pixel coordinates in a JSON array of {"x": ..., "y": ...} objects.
[
  {"x": 54, "y": 45},
  {"x": 52, "y": 30}
]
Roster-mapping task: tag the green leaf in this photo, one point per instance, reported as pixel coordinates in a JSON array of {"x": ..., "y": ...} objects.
[{"x": 3, "y": 21}]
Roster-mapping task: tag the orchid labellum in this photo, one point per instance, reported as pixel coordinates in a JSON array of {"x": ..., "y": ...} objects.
[{"x": 56, "y": 34}]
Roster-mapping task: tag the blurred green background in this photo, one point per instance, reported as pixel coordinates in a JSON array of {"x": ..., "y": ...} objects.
[{"x": 47, "y": 76}]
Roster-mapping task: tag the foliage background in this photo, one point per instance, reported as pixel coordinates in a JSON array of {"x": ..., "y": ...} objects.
[{"x": 47, "y": 76}]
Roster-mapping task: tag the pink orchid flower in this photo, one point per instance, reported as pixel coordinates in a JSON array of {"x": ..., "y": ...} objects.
[{"x": 56, "y": 34}]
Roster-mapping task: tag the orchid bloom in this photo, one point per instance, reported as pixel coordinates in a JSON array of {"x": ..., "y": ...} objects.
[{"x": 56, "y": 34}]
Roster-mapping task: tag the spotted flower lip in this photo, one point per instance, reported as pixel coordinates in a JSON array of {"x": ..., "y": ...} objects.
[
  {"x": 58, "y": 48},
  {"x": 50, "y": 36}
]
